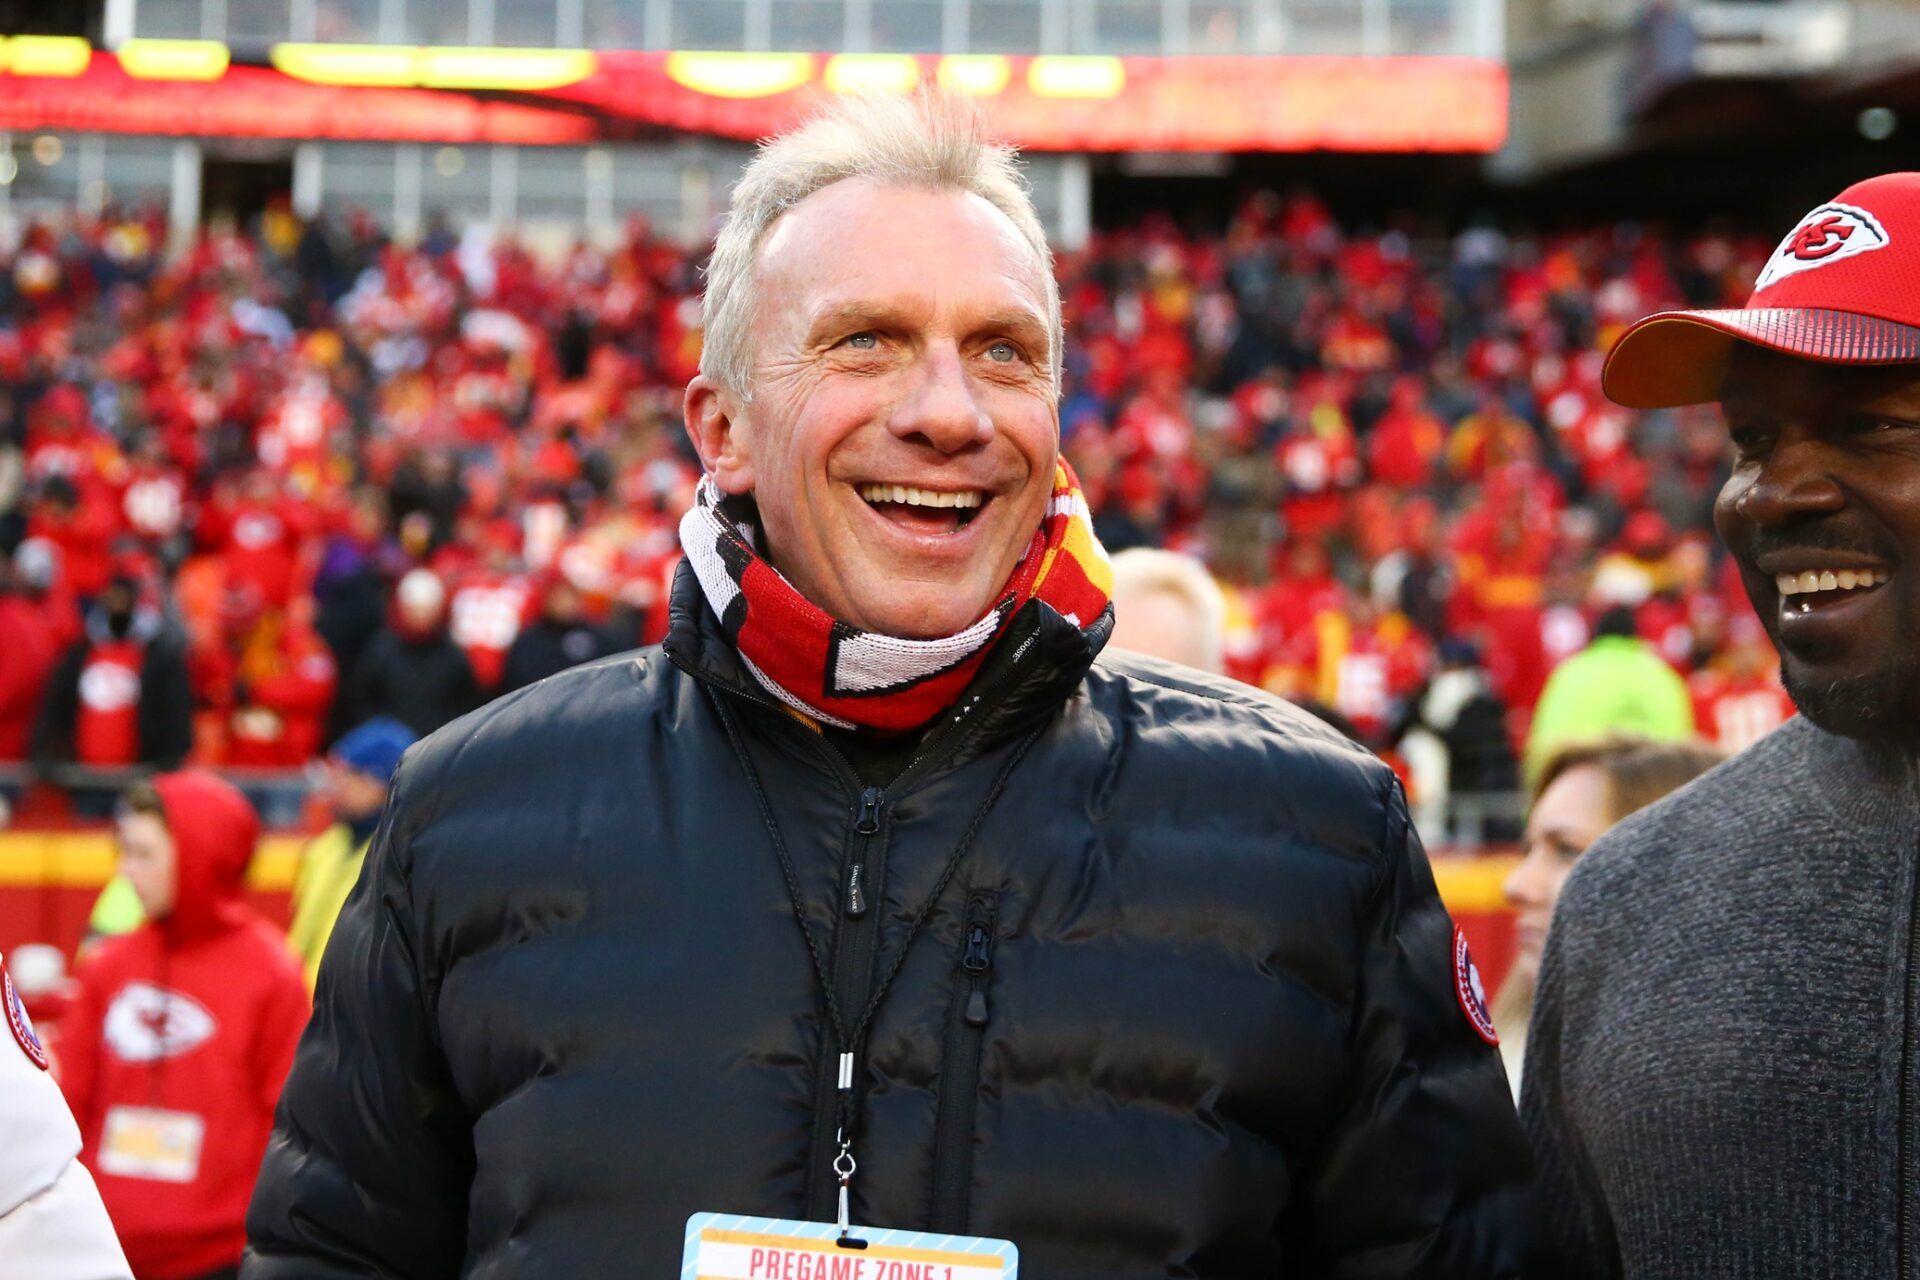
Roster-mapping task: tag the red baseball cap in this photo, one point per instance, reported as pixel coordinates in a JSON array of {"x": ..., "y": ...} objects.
[{"x": 1842, "y": 288}]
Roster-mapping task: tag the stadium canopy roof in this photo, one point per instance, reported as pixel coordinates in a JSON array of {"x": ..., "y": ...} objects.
[{"x": 533, "y": 96}]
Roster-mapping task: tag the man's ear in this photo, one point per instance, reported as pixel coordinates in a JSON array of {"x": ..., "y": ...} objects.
[{"x": 712, "y": 416}]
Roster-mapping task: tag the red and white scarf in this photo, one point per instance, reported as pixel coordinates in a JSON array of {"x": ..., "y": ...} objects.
[{"x": 839, "y": 675}]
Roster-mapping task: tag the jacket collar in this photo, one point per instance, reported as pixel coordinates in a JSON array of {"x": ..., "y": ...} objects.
[{"x": 1033, "y": 669}]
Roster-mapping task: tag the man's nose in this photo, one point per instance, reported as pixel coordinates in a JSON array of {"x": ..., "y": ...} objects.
[
  {"x": 940, "y": 406},
  {"x": 1793, "y": 482}
]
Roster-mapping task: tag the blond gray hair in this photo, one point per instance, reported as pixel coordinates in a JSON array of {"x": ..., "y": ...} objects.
[
  {"x": 1140, "y": 571},
  {"x": 925, "y": 139}
]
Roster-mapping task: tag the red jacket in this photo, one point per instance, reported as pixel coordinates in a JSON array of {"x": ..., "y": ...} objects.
[
  {"x": 28, "y": 638},
  {"x": 178, "y": 1042},
  {"x": 106, "y": 731}
]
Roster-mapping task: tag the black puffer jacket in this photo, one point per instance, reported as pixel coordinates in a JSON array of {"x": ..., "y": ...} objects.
[{"x": 1185, "y": 1009}]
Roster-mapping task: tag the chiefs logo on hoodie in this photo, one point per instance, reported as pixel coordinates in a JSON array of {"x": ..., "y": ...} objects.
[{"x": 145, "y": 1023}]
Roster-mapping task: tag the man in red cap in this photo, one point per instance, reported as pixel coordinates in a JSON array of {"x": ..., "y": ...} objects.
[{"x": 1724, "y": 1075}]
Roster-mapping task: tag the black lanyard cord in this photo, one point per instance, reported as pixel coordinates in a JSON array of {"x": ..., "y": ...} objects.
[{"x": 849, "y": 1039}]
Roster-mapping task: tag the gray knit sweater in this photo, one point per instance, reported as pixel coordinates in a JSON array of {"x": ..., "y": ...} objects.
[{"x": 1722, "y": 1076}]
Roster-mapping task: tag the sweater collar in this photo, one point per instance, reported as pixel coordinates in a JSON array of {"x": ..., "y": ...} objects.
[{"x": 1868, "y": 785}]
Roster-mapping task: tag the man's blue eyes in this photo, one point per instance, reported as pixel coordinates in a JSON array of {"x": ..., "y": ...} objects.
[{"x": 998, "y": 352}]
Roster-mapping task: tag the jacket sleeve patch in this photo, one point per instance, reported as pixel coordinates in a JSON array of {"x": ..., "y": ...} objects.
[
  {"x": 1471, "y": 992},
  {"x": 20, "y": 1024}
]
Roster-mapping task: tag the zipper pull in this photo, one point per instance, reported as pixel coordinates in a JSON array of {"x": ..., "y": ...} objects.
[
  {"x": 978, "y": 955},
  {"x": 976, "y": 961},
  {"x": 869, "y": 819},
  {"x": 856, "y": 891}
]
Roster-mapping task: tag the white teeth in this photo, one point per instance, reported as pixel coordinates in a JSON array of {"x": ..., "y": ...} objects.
[
  {"x": 913, "y": 497},
  {"x": 1794, "y": 584}
]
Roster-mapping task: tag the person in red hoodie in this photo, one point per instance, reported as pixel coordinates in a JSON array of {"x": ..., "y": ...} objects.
[{"x": 182, "y": 1032}]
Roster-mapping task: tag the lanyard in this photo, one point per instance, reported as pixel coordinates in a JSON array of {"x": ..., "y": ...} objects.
[{"x": 851, "y": 1039}]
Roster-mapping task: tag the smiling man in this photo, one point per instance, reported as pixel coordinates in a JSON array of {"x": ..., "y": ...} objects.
[
  {"x": 876, "y": 902},
  {"x": 1722, "y": 1078}
]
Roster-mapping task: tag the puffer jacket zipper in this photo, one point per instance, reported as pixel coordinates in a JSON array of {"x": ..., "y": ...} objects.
[
  {"x": 854, "y": 936},
  {"x": 960, "y": 1064},
  {"x": 855, "y": 933}
]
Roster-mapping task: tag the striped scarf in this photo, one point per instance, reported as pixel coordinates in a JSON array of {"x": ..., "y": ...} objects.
[{"x": 838, "y": 675}]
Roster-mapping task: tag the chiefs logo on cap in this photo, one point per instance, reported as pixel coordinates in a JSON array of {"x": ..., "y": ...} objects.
[{"x": 1828, "y": 234}]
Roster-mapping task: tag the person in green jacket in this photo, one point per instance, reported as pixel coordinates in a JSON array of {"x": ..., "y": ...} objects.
[
  {"x": 1617, "y": 684},
  {"x": 358, "y": 771}
]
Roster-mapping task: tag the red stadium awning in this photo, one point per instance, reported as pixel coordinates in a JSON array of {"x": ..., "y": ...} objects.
[{"x": 533, "y": 96}]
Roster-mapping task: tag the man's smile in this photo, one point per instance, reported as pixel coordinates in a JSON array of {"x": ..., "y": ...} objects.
[
  {"x": 1825, "y": 579},
  {"x": 922, "y": 510},
  {"x": 1818, "y": 589}
]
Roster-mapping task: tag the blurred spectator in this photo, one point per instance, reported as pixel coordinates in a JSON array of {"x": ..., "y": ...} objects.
[
  {"x": 1617, "y": 684},
  {"x": 356, "y": 773},
  {"x": 1168, "y": 606},
  {"x": 1584, "y": 789},
  {"x": 413, "y": 671},
  {"x": 257, "y": 533},
  {"x": 1406, "y": 443},
  {"x": 561, "y": 637},
  {"x": 1738, "y": 698},
  {"x": 32, "y": 647},
  {"x": 120, "y": 696},
  {"x": 350, "y": 583},
  {"x": 181, "y": 1033},
  {"x": 1457, "y": 749},
  {"x": 266, "y": 681},
  {"x": 80, "y": 526}
]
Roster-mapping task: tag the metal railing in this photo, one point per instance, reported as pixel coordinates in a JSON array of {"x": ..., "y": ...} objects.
[{"x": 87, "y": 793}]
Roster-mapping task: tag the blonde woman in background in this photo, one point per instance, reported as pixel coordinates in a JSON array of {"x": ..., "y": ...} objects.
[
  {"x": 1584, "y": 789},
  {"x": 1166, "y": 605}
]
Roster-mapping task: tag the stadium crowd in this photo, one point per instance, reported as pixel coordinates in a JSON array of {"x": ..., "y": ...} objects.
[{"x": 299, "y": 475}]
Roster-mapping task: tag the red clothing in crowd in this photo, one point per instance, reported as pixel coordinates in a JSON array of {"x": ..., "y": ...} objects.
[
  {"x": 269, "y": 691},
  {"x": 154, "y": 502},
  {"x": 1319, "y": 470},
  {"x": 259, "y": 539},
  {"x": 106, "y": 730},
  {"x": 1405, "y": 446},
  {"x": 1733, "y": 712},
  {"x": 32, "y": 647},
  {"x": 484, "y": 615},
  {"x": 175, "y": 1049},
  {"x": 84, "y": 536},
  {"x": 1370, "y": 675}
]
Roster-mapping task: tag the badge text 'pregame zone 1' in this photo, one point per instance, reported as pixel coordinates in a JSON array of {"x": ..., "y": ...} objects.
[{"x": 763, "y": 1250}]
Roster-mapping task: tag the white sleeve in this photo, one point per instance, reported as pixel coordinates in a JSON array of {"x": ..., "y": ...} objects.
[
  {"x": 52, "y": 1224},
  {"x": 61, "y": 1234}
]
